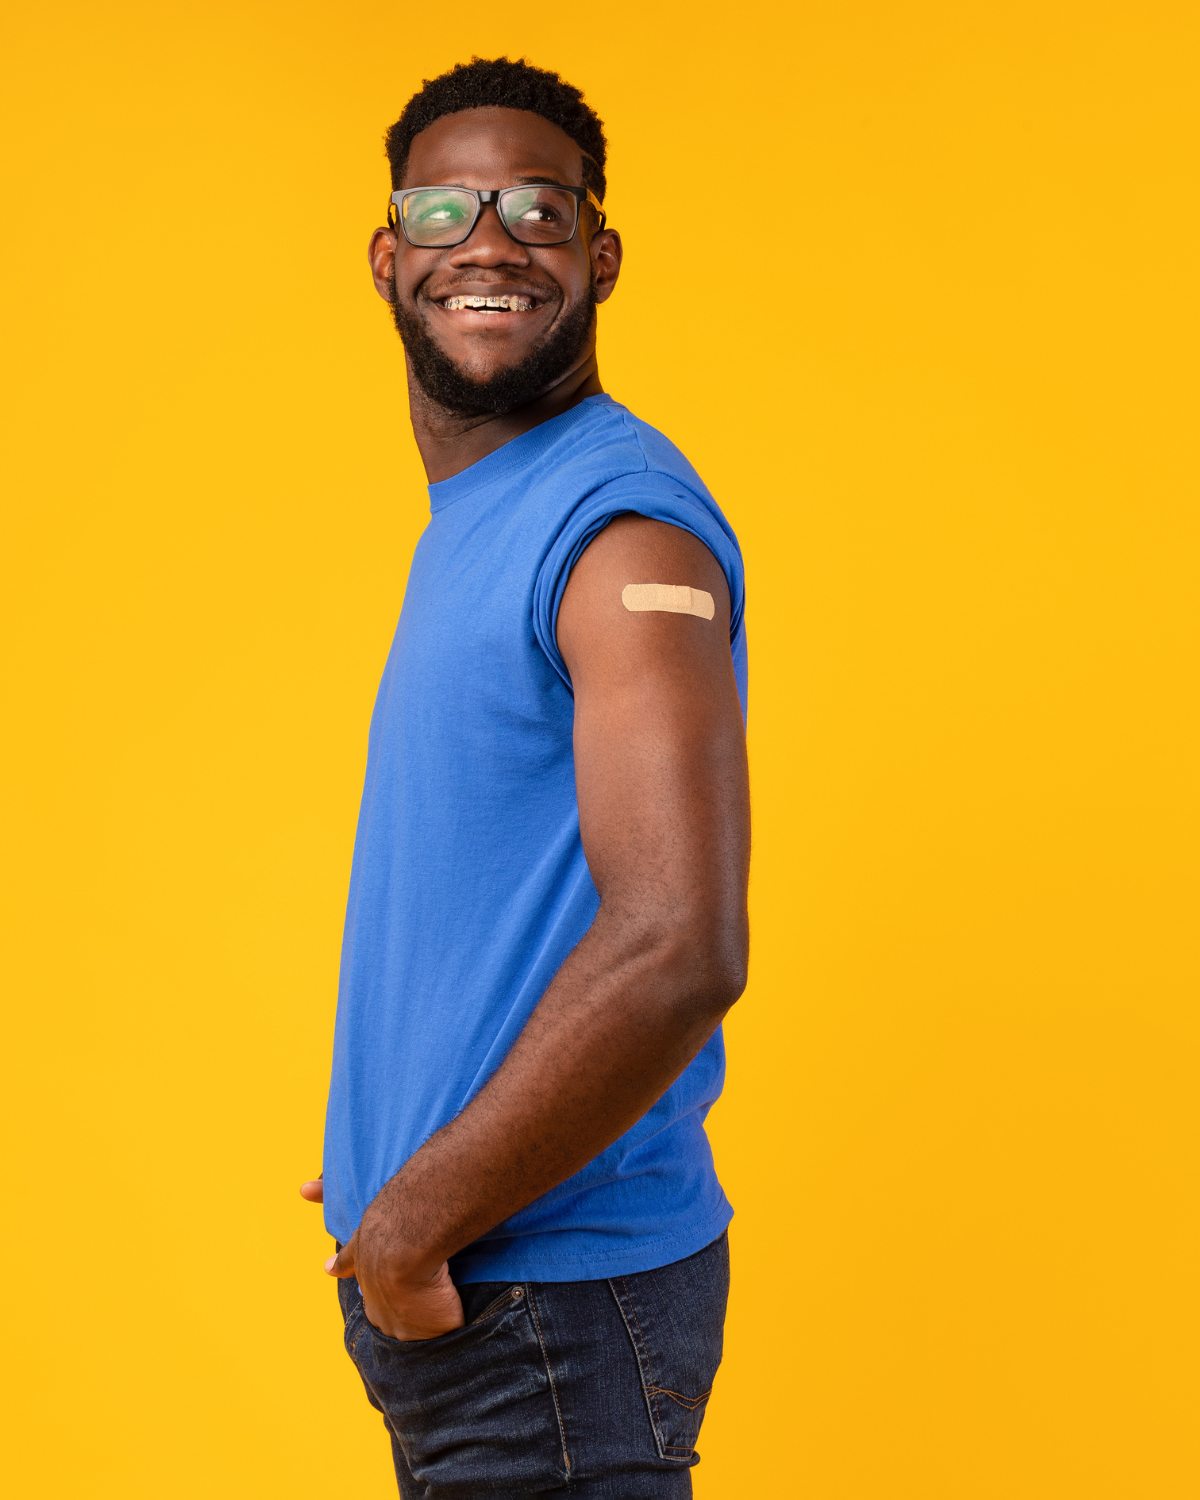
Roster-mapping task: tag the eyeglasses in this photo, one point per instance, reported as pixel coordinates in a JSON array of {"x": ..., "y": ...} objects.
[{"x": 542, "y": 213}]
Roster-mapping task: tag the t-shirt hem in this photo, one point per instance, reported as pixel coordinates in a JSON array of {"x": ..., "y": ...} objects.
[{"x": 520, "y": 1263}]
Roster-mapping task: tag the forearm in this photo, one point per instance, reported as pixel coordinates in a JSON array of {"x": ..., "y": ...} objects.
[{"x": 627, "y": 1012}]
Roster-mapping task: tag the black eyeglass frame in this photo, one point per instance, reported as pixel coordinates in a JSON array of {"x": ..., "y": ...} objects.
[{"x": 492, "y": 195}]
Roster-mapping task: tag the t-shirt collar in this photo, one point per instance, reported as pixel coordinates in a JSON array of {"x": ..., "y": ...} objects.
[{"x": 513, "y": 456}]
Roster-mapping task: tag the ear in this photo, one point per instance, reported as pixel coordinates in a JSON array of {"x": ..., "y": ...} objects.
[
  {"x": 381, "y": 252},
  {"x": 606, "y": 255}
]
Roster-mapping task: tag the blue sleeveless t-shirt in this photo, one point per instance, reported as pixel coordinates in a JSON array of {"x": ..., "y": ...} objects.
[{"x": 469, "y": 885}]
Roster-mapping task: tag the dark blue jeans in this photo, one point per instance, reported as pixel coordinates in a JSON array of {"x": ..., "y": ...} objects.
[{"x": 571, "y": 1388}]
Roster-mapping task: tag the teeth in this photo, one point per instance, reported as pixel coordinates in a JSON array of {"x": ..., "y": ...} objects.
[{"x": 487, "y": 304}]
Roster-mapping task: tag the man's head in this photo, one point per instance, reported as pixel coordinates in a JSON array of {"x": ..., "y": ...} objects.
[{"x": 489, "y": 125}]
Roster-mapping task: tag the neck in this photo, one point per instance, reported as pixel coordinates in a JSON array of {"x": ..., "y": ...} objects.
[{"x": 451, "y": 442}]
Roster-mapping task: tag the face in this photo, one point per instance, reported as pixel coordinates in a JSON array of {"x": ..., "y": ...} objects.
[{"x": 472, "y": 360}]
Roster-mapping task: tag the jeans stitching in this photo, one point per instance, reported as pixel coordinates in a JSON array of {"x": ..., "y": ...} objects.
[
  {"x": 650, "y": 1389},
  {"x": 690, "y": 1402},
  {"x": 550, "y": 1375},
  {"x": 653, "y": 1388},
  {"x": 504, "y": 1300},
  {"x": 648, "y": 1384}
]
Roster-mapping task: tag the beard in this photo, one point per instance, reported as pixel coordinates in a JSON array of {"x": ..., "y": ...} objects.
[{"x": 443, "y": 382}]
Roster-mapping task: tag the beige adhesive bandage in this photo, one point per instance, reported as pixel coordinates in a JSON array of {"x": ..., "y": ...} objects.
[{"x": 674, "y": 598}]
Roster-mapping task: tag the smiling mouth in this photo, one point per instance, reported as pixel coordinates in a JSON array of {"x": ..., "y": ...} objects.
[{"x": 488, "y": 304}]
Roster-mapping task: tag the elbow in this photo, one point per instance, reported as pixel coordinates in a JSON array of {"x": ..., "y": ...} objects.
[
  {"x": 706, "y": 962},
  {"x": 728, "y": 981}
]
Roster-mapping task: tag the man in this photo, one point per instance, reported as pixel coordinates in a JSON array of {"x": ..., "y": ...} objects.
[{"x": 547, "y": 911}]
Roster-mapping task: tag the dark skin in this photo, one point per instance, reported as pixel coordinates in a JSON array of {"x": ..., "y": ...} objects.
[
  {"x": 487, "y": 148},
  {"x": 660, "y": 765}
]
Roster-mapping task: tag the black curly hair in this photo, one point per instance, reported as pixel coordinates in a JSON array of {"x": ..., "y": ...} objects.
[{"x": 510, "y": 85}]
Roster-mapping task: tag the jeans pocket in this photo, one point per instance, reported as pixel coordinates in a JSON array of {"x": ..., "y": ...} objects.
[
  {"x": 473, "y": 1409},
  {"x": 676, "y": 1321}
]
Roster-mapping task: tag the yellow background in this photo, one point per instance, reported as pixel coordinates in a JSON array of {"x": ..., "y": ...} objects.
[{"x": 914, "y": 287}]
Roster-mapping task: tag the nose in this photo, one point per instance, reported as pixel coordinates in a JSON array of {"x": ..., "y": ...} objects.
[{"x": 489, "y": 244}]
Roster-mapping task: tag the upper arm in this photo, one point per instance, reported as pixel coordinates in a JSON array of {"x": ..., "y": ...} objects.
[{"x": 660, "y": 751}]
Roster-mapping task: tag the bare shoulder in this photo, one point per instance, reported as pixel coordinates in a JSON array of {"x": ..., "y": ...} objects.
[{"x": 641, "y": 588}]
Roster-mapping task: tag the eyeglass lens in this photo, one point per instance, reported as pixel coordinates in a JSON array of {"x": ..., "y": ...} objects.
[{"x": 536, "y": 215}]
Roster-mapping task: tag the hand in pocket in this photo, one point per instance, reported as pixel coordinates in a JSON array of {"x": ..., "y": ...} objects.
[{"x": 403, "y": 1305}]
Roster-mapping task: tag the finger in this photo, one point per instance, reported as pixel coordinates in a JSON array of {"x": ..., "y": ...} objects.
[
  {"x": 313, "y": 1192},
  {"x": 342, "y": 1264}
]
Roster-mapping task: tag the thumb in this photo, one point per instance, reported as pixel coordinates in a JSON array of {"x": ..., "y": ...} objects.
[
  {"x": 342, "y": 1264},
  {"x": 313, "y": 1191}
]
